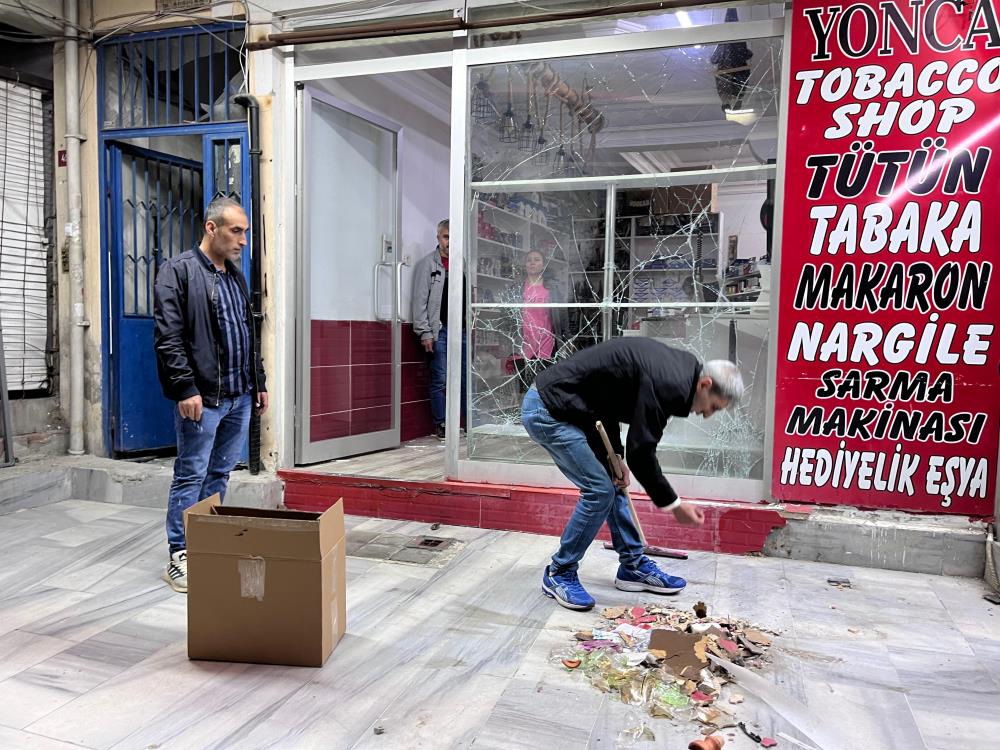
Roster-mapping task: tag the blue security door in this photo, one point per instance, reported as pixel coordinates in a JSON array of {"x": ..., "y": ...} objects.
[
  {"x": 156, "y": 202},
  {"x": 155, "y": 206}
]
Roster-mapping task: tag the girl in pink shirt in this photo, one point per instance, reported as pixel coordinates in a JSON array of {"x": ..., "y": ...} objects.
[{"x": 543, "y": 330}]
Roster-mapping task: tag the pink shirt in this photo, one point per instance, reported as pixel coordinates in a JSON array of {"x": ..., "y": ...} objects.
[{"x": 537, "y": 324}]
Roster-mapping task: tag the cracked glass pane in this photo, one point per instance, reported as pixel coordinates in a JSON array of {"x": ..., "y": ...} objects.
[
  {"x": 681, "y": 145},
  {"x": 486, "y": 11}
]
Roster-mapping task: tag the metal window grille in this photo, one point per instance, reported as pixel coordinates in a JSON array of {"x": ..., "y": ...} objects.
[
  {"x": 161, "y": 209},
  {"x": 185, "y": 77},
  {"x": 25, "y": 247}
]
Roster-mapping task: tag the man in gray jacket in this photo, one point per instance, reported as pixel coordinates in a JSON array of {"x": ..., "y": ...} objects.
[{"x": 430, "y": 322}]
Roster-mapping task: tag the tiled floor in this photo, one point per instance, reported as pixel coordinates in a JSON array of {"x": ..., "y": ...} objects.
[
  {"x": 419, "y": 460},
  {"x": 92, "y": 651}
]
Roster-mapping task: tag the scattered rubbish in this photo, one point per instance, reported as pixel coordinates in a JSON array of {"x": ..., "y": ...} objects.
[
  {"x": 656, "y": 658},
  {"x": 640, "y": 732},
  {"x": 712, "y": 742},
  {"x": 736, "y": 698},
  {"x": 992, "y": 598},
  {"x": 746, "y": 730},
  {"x": 755, "y": 636},
  {"x": 706, "y": 628},
  {"x": 378, "y": 729},
  {"x": 749, "y": 646},
  {"x": 853, "y": 631},
  {"x": 435, "y": 526},
  {"x": 768, "y": 741},
  {"x": 684, "y": 653},
  {"x": 840, "y": 583},
  {"x": 729, "y": 645},
  {"x": 700, "y": 610}
]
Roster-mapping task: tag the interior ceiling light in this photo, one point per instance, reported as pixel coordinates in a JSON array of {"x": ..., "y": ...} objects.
[{"x": 742, "y": 116}]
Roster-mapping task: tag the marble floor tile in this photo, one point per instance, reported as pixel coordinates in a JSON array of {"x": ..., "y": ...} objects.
[
  {"x": 93, "y": 652},
  {"x": 15, "y": 738},
  {"x": 137, "y": 697},
  {"x": 20, "y": 650},
  {"x": 951, "y": 696},
  {"x": 532, "y": 714},
  {"x": 21, "y": 609}
]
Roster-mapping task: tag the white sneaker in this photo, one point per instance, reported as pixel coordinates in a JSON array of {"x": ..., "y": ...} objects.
[{"x": 176, "y": 573}]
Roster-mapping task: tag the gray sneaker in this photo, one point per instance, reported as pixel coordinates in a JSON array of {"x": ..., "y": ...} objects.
[{"x": 176, "y": 573}]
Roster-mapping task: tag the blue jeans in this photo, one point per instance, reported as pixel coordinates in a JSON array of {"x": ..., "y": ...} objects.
[
  {"x": 206, "y": 452},
  {"x": 439, "y": 377},
  {"x": 599, "y": 501}
]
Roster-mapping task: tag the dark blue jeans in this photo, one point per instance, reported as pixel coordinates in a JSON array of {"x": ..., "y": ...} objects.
[
  {"x": 600, "y": 500},
  {"x": 439, "y": 376},
  {"x": 206, "y": 452}
]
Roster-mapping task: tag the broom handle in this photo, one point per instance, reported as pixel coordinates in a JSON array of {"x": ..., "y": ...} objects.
[{"x": 617, "y": 469}]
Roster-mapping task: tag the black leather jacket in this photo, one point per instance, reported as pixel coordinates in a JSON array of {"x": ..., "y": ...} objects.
[{"x": 186, "y": 335}]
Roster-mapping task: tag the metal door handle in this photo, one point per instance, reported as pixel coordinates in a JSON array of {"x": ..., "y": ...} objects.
[
  {"x": 399, "y": 289},
  {"x": 375, "y": 290}
]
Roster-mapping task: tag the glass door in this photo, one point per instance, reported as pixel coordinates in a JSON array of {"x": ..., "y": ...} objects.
[{"x": 347, "y": 400}]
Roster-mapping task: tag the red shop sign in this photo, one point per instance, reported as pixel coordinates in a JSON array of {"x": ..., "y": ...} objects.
[{"x": 888, "y": 392}]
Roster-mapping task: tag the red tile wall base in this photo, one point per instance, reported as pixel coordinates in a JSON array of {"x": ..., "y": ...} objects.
[{"x": 733, "y": 527}]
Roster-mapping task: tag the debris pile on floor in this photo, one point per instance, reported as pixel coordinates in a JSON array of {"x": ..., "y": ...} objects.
[{"x": 657, "y": 657}]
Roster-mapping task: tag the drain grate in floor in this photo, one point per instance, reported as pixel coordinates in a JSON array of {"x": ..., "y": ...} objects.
[{"x": 431, "y": 542}]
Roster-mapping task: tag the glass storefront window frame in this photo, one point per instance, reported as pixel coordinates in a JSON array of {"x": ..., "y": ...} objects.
[
  {"x": 462, "y": 60},
  {"x": 463, "y": 189}
]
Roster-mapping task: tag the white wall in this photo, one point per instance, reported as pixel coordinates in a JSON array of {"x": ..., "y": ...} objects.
[
  {"x": 420, "y": 104},
  {"x": 740, "y": 204}
]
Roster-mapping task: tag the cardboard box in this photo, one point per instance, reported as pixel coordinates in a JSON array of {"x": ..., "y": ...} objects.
[{"x": 265, "y": 586}]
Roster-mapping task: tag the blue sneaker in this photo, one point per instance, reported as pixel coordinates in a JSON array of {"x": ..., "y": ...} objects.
[
  {"x": 648, "y": 577},
  {"x": 566, "y": 589}
]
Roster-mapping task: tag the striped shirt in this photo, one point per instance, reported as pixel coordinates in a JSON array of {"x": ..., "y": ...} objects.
[{"x": 234, "y": 333}]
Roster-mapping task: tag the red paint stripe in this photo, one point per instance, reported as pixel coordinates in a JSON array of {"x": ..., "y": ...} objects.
[{"x": 731, "y": 526}]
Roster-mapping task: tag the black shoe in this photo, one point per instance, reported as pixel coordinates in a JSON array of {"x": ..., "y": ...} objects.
[{"x": 439, "y": 431}]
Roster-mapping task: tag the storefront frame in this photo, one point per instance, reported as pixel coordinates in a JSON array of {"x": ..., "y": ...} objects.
[{"x": 460, "y": 60}]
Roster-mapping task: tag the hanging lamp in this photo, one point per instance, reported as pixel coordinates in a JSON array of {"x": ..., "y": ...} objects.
[
  {"x": 559, "y": 168},
  {"x": 508, "y": 125},
  {"x": 483, "y": 111},
  {"x": 541, "y": 145},
  {"x": 526, "y": 139}
]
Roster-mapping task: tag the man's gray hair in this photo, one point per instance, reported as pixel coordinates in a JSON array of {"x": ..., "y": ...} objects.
[
  {"x": 443, "y": 224},
  {"x": 216, "y": 210},
  {"x": 726, "y": 379}
]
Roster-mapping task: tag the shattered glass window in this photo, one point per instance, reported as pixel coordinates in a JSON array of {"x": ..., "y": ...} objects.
[
  {"x": 487, "y": 11},
  {"x": 625, "y": 194}
]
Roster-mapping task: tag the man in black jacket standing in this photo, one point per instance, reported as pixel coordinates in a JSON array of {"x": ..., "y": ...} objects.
[
  {"x": 643, "y": 383},
  {"x": 207, "y": 359}
]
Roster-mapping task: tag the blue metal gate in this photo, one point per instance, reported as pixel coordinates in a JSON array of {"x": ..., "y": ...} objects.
[{"x": 156, "y": 202}]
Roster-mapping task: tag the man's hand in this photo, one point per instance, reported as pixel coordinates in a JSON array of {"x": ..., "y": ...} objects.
[
  {"x": 190, "y": 408},
  {"x": 688, "y": 514},
  {"x": 626, "y": 476},
  {"x": 261, "y": 406},
  {"x": 428, "y": 345}
]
